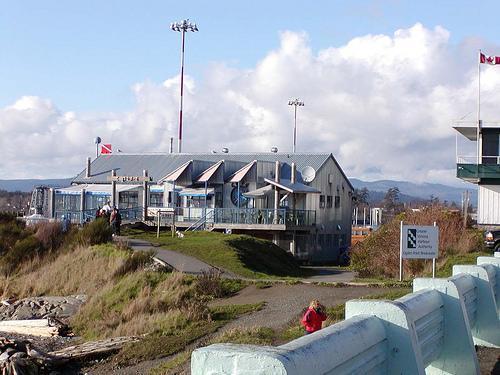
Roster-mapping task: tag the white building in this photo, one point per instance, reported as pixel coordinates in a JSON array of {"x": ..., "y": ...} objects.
[{"x": 300, "y": 201}]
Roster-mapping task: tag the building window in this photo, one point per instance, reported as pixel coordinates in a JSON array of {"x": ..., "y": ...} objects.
[
  {"x": 329, "y": 201},
  {"x": 156, "y": 199},
  {"x": 129, "y": 199},
  {"x": 337, "y": 201},
  {"x": 321, "y": 201}
]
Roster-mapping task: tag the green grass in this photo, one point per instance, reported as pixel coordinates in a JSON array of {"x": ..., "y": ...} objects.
[
  {"x": 243, "y": 255},
  {"x": 167, "y": 366},
  {"x": 446, "y": 269},
  {"x": 158, "y": 345}
]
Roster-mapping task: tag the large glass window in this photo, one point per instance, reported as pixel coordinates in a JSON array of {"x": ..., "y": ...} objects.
[
  {"x": 129, "y": 199},
  {"x": 156, "y": 199},
  {"x": 67, "y": 202},
  {"x": 93, "y": 201}
]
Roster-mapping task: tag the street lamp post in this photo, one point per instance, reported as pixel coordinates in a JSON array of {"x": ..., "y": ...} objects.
[
  {"x": 182, "y": 27},
  {"x": 296, "y": 103}
]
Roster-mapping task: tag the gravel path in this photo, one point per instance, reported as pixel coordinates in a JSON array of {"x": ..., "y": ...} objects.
[{"x": 285, "y": 302}]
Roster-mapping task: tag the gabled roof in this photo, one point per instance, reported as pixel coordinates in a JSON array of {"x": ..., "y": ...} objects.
[
  {"x": 240, "y": 174},
  {"x": 210, "y": 172},
  {"x": 177, "y": 173}
]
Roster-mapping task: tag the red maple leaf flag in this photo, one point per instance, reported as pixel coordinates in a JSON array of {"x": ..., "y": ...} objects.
[
  {"x": 106, "y": 148},
  {"x": 490, "y": 60}
]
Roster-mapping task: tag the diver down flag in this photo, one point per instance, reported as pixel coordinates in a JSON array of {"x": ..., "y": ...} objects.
[{"x": 106, "y": 148}]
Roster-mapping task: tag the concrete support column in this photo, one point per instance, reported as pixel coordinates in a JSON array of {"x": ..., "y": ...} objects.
[
  {"x": 276, "y": 238},
  {"x": 114, "y": 200},
  {"x": 145, "y": 195}
]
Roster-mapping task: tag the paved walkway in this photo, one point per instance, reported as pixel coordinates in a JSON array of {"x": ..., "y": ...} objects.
[
  {"x": 188, "y": 264},
  {"x": 178, "y": 261}
]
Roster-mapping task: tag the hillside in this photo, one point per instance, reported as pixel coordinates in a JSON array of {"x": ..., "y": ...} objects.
[
  {"x": 413, "y": 192},
  {"x": 28, "y": 184}
]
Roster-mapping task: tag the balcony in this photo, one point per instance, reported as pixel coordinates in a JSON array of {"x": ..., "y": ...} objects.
[{"x": 469, "y": 170}]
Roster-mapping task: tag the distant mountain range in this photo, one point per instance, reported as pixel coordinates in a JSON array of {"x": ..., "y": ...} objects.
[
  {"x": 28, "y": 185},
  {"x": 410, "y": 192}
]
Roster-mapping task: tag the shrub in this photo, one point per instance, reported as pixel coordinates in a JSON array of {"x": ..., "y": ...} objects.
[
  {"x": 24, "y": 249},
  {"x": 378, "y": 255},
  {"x": 10, "y": 232},
  {"x": 94, "y": 233},
  {"x": 50, "y": 235}
]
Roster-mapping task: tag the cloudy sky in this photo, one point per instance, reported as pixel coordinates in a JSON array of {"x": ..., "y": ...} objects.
[{"x": 382, "y": 81}]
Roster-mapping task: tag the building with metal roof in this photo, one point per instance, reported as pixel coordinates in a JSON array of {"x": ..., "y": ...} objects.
[{"x": 301, "y": 201}]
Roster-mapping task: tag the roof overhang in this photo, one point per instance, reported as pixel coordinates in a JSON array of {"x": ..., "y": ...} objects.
[
  {"x": 95, "y": 189},
  {"x": 211, "y": 174},
  {"x": 196, "y": 192},
  {"x": 469, "y": 132},
  {"x": 260, "y": 192},
  {"x": 241, "y": 173},
  {"x": 176, "y": 174},
  {"x": 294, "y": 188}
]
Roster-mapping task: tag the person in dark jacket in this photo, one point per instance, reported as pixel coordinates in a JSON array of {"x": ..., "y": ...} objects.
[
  {"x": 314, "y": 317},
  {"x": 118, "y": 222}
]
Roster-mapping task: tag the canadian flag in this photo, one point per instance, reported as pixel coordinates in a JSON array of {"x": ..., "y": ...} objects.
[
  {"x": 491, "y": 60},
  {"x": 106, "y": 148}
]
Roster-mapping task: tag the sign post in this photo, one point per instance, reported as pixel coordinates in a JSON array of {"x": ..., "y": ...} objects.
[{"x": 418, "y": 242}]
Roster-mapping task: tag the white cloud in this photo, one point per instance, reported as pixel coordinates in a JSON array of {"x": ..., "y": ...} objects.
[{"x": 382, "y": 104}]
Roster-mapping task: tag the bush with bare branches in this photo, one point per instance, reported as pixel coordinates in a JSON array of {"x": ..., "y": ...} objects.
[{"x": 378, "y": 255}]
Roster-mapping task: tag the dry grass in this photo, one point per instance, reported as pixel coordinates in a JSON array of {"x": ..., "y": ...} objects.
[{"x": 81, "y": 271}]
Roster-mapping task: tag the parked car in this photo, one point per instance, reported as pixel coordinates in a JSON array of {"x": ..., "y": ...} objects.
[{"x": 492, "y": 239}]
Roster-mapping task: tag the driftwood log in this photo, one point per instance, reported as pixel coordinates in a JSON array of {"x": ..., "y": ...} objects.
[
  {"x": 22, "y": 358},
  {"x": 93, "y": 348}
]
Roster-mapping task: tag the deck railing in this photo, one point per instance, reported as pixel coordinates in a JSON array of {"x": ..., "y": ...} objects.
[{"x": 250, "y": 216}]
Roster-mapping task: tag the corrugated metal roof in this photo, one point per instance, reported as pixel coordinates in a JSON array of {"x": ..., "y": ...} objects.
[{"x": 160, "y": 165}]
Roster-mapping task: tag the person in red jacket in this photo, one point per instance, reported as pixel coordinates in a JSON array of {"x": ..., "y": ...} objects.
[{"x": 314, "y": 317}]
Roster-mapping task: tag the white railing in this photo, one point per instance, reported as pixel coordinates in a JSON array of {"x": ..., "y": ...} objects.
[
  {"x": 493, "y": 159},
  {"x": 432, "y": 330}
]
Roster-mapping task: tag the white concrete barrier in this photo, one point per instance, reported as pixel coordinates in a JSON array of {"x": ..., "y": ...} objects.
[
  {"x": 354, "y": 346},
  {"x": 421, "y": 340},
  {"x": 459, "y": 297},
  {"x": 486, "y": 329},
  {"x": 495, "y": 262},
  {"x": 497, "y": 254},
  {"x": 432, "y": 330}
]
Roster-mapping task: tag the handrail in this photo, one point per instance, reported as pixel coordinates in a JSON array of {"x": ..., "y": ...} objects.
[{"x": 201, "y": 221}]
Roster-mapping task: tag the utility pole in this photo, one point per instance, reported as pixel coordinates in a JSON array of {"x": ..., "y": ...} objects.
[
  {"x": 182, "y": 27},
  {"x": 296, "y": 103}
]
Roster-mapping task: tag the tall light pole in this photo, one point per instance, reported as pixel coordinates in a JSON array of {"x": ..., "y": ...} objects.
[
  {"x": 182, "y": 27},
  {"x": 296, "y": 103}
]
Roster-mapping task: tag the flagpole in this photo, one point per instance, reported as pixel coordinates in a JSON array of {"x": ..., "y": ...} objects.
[{"x": 478, "y": 108}]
